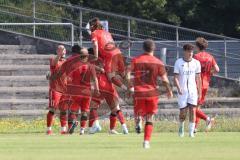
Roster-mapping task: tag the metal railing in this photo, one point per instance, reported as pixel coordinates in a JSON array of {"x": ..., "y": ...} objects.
[
  {"x": 225, "y": 49},
  {"x": 16, "y": 27}
]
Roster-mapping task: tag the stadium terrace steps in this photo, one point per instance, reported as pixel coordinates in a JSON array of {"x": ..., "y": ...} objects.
[
  {"x": 23, "y": 70},
  {"x": 24, "y": 59},
  {"x": 23, "y": 104},
  {"x": 21, "y": 81},
  {"x": 24, "y": 92}
]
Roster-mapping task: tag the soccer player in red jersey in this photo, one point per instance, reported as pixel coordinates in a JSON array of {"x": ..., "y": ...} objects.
[
  {"x": 146, "y": 68},
  {"x": 54, "y": 96},
  {"x": 209, "y": 67},
  {"x": 107, "y": 93},
  {"x": 105, "y": 48},
  {"x": 79, "y": 85}
]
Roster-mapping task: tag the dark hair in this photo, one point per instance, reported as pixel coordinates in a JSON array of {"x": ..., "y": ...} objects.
[
  {"x": 148, "y": 45},
  {"x": 95, "y": 24},
  {"x": 201, "y": 43},
  {"x": 188, "y": 47},
  {"x": 90, "y": 51},
  {"x": 76, "y": 49}
]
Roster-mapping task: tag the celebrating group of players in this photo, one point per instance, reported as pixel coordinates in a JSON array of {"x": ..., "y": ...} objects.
[{"x": 86, "y": 78}]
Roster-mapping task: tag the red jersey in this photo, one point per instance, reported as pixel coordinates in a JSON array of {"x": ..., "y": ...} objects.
[
  {"x": 106, "y": 44},
  {"x": 54, "y": 69},
  {"x": 146, "y": 70},
  {"x": 207, "y": 62},
  {"x": 79, "y": 80}
]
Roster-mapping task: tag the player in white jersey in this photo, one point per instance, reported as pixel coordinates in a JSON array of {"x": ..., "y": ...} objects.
[{"x": 188, "y": 81}]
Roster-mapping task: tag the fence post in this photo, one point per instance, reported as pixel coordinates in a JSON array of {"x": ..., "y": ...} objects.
[
  {"x": 225, "y": 58},
  {"x": 72, "y": 34},
  {"x": 34, "y": 16},
  {"x": 80, "y": 27},
  {"x": 177, "y": 42},
  {"x": 129, "y": 36}
]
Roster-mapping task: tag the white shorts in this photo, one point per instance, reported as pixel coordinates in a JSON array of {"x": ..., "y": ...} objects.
[{"x": 185, "y": 99}]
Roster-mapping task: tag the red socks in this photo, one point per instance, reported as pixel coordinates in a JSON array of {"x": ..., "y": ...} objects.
[
  {"x": 197, "y": 121},
  {"x": 93, "y": 115},
  {"x": 200, "y": 114},
  {"x": 50, "y": 117},
  {"x": 71, "y": 118},
  {"x": 113, "y": 121},
  {"x": 63, "y": 119},
  {"x": 120, "y": 116},
  {"x": 148, "y": 131}
]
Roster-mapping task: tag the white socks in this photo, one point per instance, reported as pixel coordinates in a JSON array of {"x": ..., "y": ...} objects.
[{"x": 191, "y": 128}]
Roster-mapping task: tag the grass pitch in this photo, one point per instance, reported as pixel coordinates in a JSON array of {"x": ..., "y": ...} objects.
[{"x": 164, "y": 146}]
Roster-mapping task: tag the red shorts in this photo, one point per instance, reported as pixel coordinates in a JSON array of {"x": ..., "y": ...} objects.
[
  {"x": 80, "y": 103},
  {"x": 65, "y": 103},
  {"x": 54, "y": 99},
  {"x": 203, "y": 98},
  {"x": 107, "y": 91},
  {"x": 114, "y": 63},
  {"x": 145, "y": 106}
]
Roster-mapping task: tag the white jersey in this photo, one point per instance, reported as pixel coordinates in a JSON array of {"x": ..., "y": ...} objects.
[{"x": 187, "y": 80}]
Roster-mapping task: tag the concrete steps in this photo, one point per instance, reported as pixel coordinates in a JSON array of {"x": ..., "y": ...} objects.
[
  {"x": 23, "y": 70},
  {"x": 24, "y": 59},
  {"x": 21, "y": 81},
  {"x": 24, "y": 92}
]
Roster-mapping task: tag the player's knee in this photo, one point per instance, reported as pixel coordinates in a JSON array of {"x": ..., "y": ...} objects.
[
  {"x": 84, "y": 116},
  {"x": 149, "y": 118},
  {"x": 63, "y": 113},
  {"x": 51, "y": 110}
]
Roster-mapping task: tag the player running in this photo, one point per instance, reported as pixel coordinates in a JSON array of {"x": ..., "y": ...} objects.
[
  {"x": 79, "y": 85},
  {"x": 188, "y": 81},
  {"x": 56, "y": 97},
  {"x": 105, "y": 48},
  {"x": 107, "y": 93},
  {"x": 146, "y": 68},
  {"x": 209, "y": 67}
]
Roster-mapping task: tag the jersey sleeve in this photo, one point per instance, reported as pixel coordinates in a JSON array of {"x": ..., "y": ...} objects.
[
  {"x": 198, "y": 67},
  {"x": 176, "y": 68}
]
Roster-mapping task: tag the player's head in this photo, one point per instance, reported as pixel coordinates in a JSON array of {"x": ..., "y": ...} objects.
[
  {"x": 201, "y": 43},
  {"x": 61, "y": 51},
  {"x": 149, "y": 46},
  {"x": 84, "y": 54},
  {"x": 95, "y": 24},
  {"x": 188, "y": 51},
  {"x": 76, "y": 49}
]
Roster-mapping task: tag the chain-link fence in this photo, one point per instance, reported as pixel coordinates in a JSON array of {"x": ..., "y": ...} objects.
[{"x": 225, "y": 49}]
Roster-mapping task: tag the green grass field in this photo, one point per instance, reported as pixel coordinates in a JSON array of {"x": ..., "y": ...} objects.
[{"x": 164, "y": 146}]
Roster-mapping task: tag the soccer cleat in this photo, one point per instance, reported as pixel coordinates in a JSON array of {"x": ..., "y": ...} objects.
[
  {"x": 49, "y": 132},
  {"x": 113, "y": 132},
  {"x": 191, "y": 135},
  {"x": 209, "y": 123},
  {"x": 124, "y": 129},
  {"x": 74, "y": 125},
  {"x": 181, "y": 132},
  {"x": 94, "y": 129},
  {"x": 146, "y": 145},
  {"x": 82, "y": 130}
]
